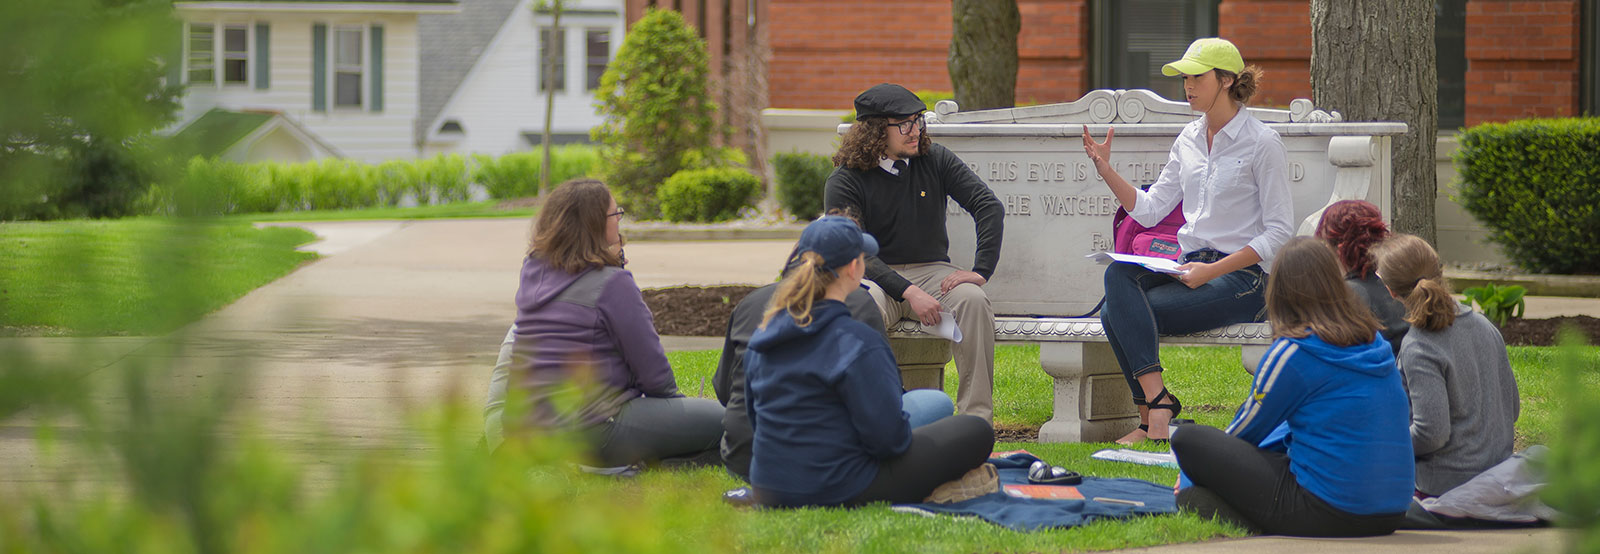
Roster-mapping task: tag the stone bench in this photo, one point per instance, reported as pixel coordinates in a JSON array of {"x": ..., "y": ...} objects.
[
  {"x": 1091, "y": 400},
  {"x": 1057, "y": 210}
]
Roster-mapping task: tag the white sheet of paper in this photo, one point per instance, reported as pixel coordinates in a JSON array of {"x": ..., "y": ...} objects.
[
  {"x": 1159, "y": 265},
  {"x": 947, "y": 328}
]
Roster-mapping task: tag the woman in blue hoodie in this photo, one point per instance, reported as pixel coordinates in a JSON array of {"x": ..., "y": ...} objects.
[
  {"x": 585, "y": 351},
  {"x": 824, "y": 399},
  {"x": 1331, "y": 379}
]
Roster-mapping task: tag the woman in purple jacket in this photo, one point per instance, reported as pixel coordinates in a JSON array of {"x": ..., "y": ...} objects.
[{"x": 586, "y": 354}]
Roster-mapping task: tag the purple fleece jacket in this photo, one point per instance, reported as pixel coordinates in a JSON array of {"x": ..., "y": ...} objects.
[{"x": 585, "y": 345}]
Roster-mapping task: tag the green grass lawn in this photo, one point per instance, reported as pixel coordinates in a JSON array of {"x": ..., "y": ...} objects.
[
  {"x": 141, "y": 276},
  {"x": 487, "y": 208},
  {"x": 1211, "y": 383}
]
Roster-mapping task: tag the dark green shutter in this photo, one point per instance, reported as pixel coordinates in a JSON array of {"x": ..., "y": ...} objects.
[
  {"x": 377, "y": 68},
  {"x": 319, "y": 67},
  {"x": 263, "y": 43}
]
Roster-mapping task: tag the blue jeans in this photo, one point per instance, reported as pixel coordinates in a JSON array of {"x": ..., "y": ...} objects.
[
  {"x": 924, "y": 406},
  {"x": 1141, "y": 305}
]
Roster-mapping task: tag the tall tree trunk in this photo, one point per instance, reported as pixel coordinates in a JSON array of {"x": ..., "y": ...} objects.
[
  {"x": 983, "y": 53},
  {"x": 1374, "y": 60},
  {"x": 549, "y": 57}
]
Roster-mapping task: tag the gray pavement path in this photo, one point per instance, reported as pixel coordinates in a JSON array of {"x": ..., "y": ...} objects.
[{"x": 397, "y": 315}]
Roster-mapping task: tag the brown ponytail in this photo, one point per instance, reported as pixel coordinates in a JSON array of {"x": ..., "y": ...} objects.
[
  {"x": 1244, "y": 83},
  {"x": 1411, "y": 268},
  {"x": 801, "y": 288}
]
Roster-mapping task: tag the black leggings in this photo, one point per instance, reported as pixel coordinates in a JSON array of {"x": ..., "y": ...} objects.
[
  {"x": 940, "y": 451},
  {"x": 1236, "y": 481}
]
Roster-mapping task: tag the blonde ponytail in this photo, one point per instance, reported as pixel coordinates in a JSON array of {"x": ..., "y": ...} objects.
[
  {"x": 1411, "y": 268},
  {"x": 802, "y": 288}
]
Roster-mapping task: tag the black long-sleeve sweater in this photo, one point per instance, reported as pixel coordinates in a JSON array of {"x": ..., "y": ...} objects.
[{"x": 906, "y": 212}]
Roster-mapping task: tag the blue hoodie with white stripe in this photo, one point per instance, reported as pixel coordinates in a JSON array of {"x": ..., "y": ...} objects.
[{"x": 1348, "y": 417}]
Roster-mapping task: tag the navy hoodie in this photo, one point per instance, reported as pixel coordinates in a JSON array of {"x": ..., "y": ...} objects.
[
  {"x": 824, "y": 401},
  {"x": 1348, "y": 417}
]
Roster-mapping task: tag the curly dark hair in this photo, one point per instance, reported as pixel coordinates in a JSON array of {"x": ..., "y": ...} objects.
[{"x": 866, "y": 141}]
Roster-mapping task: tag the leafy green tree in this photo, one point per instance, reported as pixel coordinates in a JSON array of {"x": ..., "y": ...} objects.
[
  {"x": 82, "y": 83},
  {"x": 656, "y": 108}
]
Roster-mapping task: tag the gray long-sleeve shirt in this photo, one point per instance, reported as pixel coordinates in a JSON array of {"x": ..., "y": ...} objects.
[{"x": 1464, "y": 401}]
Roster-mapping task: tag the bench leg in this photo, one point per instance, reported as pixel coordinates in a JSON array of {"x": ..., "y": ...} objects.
[
  {"x": 1092, "y": 403},
  {"x": 921, "y": 361},
  {"x": 1251, "y": 355}
]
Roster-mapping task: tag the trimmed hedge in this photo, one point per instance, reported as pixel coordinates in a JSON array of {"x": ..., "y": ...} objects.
[
  {"x": 517, "y": 175},
  {"x": 1536, "y": 184},
  {"x": 216, "y": 187},
  {"x": 801, "y": 178},
  {"x": 712, "y": 194}
]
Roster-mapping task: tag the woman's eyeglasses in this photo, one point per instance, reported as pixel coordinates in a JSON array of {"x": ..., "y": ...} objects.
[
  {"x": 909, "y": 124},
  {"x": 617, "y": 213}
]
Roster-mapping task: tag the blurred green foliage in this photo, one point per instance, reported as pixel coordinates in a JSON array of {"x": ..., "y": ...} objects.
[
  {"x": 517, "y": 175},
  {"x": 82, "y": 88},
  {"x": 211, "y": 186},
  {"x": 656, "y": 106},
  {"x": 1573, "y": 466}
]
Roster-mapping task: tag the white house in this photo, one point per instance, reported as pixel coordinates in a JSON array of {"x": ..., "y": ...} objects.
[
  {"x": 340, "y": 77},
  {"x": 483, "y": 81}
]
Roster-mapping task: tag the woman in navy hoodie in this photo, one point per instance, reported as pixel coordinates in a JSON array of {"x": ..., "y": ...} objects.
[
  {"x": 1331, "y": 379},
  {"x": 824, "y": 399},
  {"x": 585, "y": 352}
]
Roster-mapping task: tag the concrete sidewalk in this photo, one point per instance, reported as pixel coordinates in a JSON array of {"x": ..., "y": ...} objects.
[{"x": 398, "y": 315}]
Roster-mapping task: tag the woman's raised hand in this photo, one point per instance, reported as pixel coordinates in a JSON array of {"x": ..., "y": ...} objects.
[{"x": 1099, "y": 152}]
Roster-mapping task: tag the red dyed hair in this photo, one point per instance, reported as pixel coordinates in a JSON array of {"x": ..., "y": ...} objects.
[{"x": 1352, "y": 227}]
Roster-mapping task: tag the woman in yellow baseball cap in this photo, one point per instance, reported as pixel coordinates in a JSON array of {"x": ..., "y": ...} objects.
[{"x": 1226, "y": 172}]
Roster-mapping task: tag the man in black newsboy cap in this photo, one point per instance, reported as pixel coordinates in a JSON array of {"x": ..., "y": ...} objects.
[{"x": 899, "y": 182}]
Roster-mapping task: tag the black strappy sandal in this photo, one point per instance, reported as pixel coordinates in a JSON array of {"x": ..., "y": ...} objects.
[{"x": 1155, "y": 404}]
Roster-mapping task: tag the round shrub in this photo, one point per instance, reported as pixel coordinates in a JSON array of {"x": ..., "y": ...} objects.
[
  {"x": 801, "y": 177},
  {"x": 656, "y": 105},
  {"x": 714, "y": 194},
  {"x": 1536, "y": 184}
]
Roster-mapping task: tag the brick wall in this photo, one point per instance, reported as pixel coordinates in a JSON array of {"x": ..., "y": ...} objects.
[
  {"x": 1276, "y": 35},
  {"x": 824, "y": 54},
  {"x": 1522, "y": 60},
  {"x": 1522, "y": 55}
]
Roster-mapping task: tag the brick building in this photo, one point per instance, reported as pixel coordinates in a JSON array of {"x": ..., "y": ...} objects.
[{"x": 1498, "y": 59}]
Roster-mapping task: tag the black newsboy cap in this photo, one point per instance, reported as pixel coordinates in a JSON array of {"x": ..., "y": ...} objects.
[{"x": 888, "y": 100}]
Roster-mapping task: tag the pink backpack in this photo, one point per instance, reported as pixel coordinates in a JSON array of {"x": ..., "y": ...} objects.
[
  {"x": 1129, "y": 237},
  {"x": 1160, "y": 241}
]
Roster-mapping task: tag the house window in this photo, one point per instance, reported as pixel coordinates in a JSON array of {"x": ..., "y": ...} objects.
[
  {"x": 1450, "y": 46},
  {"x": 201, "y": 50},
  {"x": 597, "y": 55},
  {"x": 347, "y": 67},
  {"x": 1134, "y": 38},
  {"x": 235, "y": 54},
  {"x": 553, "y": 73}
]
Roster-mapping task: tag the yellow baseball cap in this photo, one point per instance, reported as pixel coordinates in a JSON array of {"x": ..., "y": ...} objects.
[{"x": 1204, "y": 55}]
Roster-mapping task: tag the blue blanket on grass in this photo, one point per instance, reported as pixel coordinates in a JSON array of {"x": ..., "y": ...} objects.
[{"x": 1029, "y": 514}]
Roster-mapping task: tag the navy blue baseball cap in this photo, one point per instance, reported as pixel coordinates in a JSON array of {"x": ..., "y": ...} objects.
[{"x": 837, "y": 239}]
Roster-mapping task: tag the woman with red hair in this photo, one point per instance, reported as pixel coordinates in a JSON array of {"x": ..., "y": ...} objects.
[{"x": 1352, "y": 227}]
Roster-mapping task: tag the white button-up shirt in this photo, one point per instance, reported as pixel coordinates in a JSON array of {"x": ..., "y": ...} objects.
[{"x": 1235, "y": 193}]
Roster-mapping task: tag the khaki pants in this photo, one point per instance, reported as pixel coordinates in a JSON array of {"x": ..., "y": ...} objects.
[{"x": 975, "y": 353}]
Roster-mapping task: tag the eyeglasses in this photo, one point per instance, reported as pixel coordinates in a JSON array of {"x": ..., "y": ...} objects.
[
  {"x": 906, "y": 126},
  {"x": 617, "y": 213}
]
